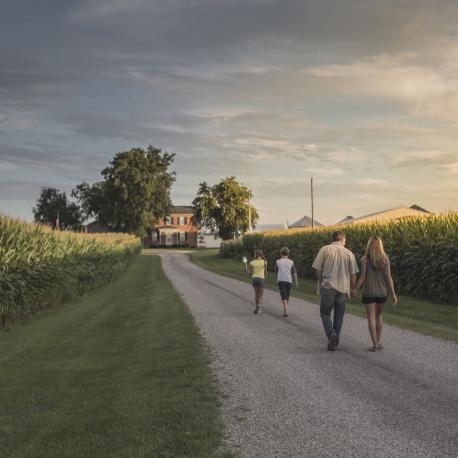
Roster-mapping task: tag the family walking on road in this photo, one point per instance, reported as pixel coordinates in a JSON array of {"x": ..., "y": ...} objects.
[
  {"x": 285, "y": 273},
  {"x": 336, "y": 269}
]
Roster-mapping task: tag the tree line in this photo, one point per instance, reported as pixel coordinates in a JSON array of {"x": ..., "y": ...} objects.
[{"x": 134, "y": 194}]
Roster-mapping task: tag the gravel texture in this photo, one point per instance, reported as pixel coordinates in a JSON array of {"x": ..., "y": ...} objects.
[{"x": 285, "y": 395}]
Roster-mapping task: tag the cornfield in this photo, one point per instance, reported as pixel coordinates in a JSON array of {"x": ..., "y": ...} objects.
[
  {"x": 40, "y": 267},
  {"x": 423, "y": 251}
]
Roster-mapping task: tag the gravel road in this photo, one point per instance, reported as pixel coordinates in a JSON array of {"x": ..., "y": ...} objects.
[{"x": 285, "y": 395}]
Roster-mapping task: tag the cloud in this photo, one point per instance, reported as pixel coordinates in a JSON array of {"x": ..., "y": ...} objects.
[
  {"x": 373, "y": 182},
  {"x": 21, "y": 155},
  {"x": 234, "y": 27},
  {"x": 428, "y": 160},
  {"x": 269, "y": 90},
  {"x": 7, "y": 166},
  {"x": 62, "y": 167},
  {"x": 20, "y": 189},
  {"x": 453, "y": 168},
  {"x": 423, "y": 89}
]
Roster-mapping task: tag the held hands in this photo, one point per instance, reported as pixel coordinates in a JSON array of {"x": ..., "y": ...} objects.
[{"x": 353, "y": 293}]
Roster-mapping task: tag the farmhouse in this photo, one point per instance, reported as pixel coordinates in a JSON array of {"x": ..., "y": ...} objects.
[{"x": 177, "y": 229}]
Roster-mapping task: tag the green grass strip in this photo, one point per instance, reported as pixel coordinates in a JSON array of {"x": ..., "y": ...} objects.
[
  {"x": 121, "y": 373},
  {"x": 421, "y": 316}
]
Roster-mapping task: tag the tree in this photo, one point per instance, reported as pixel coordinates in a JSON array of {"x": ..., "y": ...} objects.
[
  {"x": 134, "y": 193},
  {"x": 91, "y": 199},
  {"x": 225, "y": 208},
  {"x": 54, "y": 209}
]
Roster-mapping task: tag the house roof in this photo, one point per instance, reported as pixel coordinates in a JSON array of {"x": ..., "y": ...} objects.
[
  {"x": 305, "y": 221},
  {"x": 347, "y": 219},
  {"x": 390, "y": 214},
  {"x": 186, "y": 209},
  {"x": 420, "y": 209}
]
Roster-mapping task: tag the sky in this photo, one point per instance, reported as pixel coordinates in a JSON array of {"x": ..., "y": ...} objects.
[{"x": 360, "y": 94}]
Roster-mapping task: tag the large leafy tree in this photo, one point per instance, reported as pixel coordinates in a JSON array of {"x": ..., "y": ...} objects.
[
  {"x": 134, "y": 193},
  {"x": 53, "y": 208},
  {"x": 225, "y": 208}
]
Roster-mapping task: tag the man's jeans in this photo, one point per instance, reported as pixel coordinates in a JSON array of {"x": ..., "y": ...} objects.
[{"x": 332, "y": 299}]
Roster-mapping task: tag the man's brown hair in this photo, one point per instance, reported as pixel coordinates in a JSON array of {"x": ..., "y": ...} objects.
[{"x": 338, "y": 236}]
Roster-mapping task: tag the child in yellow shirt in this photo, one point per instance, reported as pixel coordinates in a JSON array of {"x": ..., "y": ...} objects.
[{"x": 257, "y": 268}]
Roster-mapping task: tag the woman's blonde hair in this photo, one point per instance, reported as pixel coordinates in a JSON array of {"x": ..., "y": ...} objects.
[{"x": 376, "y": 253}]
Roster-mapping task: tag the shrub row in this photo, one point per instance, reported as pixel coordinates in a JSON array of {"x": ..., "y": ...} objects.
[
  {"x": 40, "y": 267},
  {"x": 423, "y": 251}
]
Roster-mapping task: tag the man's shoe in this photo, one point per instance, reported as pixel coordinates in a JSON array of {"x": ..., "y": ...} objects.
[
  {"x": 332, "y": 342},
  {"x": 256, "y": 310},
  {"x": 259, "y": 309}
]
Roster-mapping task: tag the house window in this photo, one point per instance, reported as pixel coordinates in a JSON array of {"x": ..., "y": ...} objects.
[
  {"x": 154, "y": 236},
  {"x": 182, "y": 237},
  {"x": 168, "y": 220},
  {"x": 182, "y": 220}
]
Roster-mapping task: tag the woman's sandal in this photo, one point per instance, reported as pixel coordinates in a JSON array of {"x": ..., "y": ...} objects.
[
  {"x": 380, "y": 347},
  {"x": 285, "y": 315},
  {"x": 374, "y": 348}
]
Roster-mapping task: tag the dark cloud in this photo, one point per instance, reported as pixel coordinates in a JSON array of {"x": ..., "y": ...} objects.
[
  {"x": 11, "y": 153},
  {"x": 17, "y": 190},
  {"x": 61, "y": 166},
  {"x": 85, "y": 36},
  {"x": 209, "y": 28}
]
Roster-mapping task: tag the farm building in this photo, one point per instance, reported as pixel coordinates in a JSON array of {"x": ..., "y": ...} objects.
[
  {"x": 177, "y": 229},
  {"x": 347, "y": 219},
  {"x": 96, "y": 228},
  {"x": 387, "y": 215},
  {"x": 305, "y": 221}
]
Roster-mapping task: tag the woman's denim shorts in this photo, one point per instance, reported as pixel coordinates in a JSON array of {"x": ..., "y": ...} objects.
[{"x": 257, "y": 282}]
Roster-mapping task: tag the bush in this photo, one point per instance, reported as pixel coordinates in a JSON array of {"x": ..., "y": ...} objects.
[
  {"x": 423, "y": 251},
  {"x": 40, "y": 267},
  {"x": 231, "y": 249}
]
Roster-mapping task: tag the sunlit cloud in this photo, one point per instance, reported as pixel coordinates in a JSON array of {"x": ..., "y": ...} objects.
[
  {"x": 425, "y": 90},
  {"x": 376, "y": 182},
  {"x": 453, "y": 168}
]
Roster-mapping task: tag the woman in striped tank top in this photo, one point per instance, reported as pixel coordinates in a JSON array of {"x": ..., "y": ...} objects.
[{"x": 377, "y": 283}]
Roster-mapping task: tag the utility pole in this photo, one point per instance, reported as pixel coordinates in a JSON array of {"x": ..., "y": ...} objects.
[
  {"x": 311, "y": 196},
  {"x": 249, "y": 215}
]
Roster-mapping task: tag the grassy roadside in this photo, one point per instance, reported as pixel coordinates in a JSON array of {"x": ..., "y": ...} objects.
[
  {"x": 122, "y": 373},
  {"x": 416, "y": 315}
]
